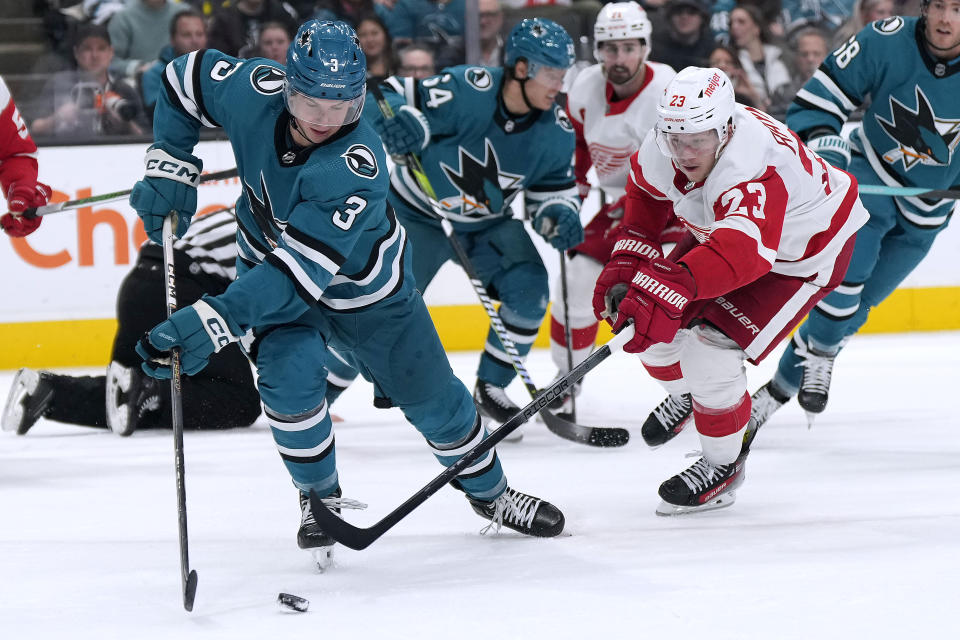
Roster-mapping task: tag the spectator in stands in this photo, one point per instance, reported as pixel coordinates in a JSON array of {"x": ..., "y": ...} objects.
[
  {"x": 188, "y": 32},
  {"x": 91, "y": 100},
  {"x": 725, "y": 58},
  {"x": 138, "y": 33},
  {"x": 235, "y": 25},
  {"x": 491, "y": 24},
  {"x": 864, "y": 12},
  {"x": 810, "y": 47},
  {"x": 273, "y": 40},
  {"x": 350, "y": 11},
  {"x": 519, "y": 4},
  {"x": 417, "y": 61},
  {"x": 438, "y": 23},
  {"x": 685, "y": 39},
  {"x": 377, "y": 46},
  {"x": 762, "y": 61}
]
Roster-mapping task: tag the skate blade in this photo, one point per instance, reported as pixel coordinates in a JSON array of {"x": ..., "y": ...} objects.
[
  {"x": 811, "y": 416},
  {"x": 24, "y": 383},
  {"x": 720, "y": 502},
  {"x": 322, "y": 558}
]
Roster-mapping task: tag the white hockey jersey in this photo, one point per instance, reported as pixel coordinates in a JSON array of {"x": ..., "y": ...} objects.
[
  {"x": 609, "y": 132},
  {"x": 769, "y": 205}
]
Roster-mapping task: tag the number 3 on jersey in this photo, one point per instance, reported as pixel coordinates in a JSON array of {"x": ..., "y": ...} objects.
[{"x": 344, "y": 219}]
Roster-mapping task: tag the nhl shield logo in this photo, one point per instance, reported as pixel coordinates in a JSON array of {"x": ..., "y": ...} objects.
[
  {"x": 361, "y": 161},
  {"x": 267, "y": 80}
]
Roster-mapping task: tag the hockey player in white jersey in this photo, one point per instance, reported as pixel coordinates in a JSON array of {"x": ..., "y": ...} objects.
[
  {"x": 612, "y": 105},
  {"x": 775, "y": 228}
]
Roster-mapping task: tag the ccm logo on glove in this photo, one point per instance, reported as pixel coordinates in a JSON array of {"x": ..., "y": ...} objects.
[
  {"x": 660, "y": 290},
  {"x": 638, "y": 247},
  {"x": 161, "y": 164}
]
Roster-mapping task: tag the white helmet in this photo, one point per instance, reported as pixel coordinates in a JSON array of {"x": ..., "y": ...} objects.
[
  {"x": 696, "y": 100},
  {"x": 622, "y": 21}
]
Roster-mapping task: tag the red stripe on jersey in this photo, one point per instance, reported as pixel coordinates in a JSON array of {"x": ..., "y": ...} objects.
[
  {"x": 582, "y": 338},
  {"x": 616, "y": 107},
  {"x": 582, "y": 161},
  {"x": 717, "y": 423},
  {"x": 665, "y": 373},
  {"x": 820, "y": 240}
]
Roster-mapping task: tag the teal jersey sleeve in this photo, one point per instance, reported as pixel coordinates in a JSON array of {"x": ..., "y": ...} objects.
[
  {"x": 848, "y": 76},
  {"x": 454, "y": 102},
  {"x": 192, "y": 96},
  {"x": 556, "y": 183}
]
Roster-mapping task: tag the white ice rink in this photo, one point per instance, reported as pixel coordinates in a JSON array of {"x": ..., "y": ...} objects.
[{"x": 849, "y": 530}]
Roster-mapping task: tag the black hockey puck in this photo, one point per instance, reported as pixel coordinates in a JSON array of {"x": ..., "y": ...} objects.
[{"x": 290, "y": 602}]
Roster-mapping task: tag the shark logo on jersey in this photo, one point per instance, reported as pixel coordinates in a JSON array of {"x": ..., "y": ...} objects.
[
  {"x": 920, "y": 135},
  {"x": 889, "y": 25},
  {"x": 562, "y": 119},
  {"x": 262, "y": 210},
  {"x": 267, "y": 80},
  {"x": 479, "y": 78},
  {"x": 361, "y": 161},
  {"x": 484, "y": 188}
]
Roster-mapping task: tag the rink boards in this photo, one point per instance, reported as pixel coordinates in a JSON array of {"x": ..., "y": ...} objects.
[{"x": 60, "y": 283}]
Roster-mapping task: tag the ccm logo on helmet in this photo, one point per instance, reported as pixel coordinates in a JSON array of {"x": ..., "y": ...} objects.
[
  {"x": 712, "y": 85},
  {"x": 660, "y": 290}
]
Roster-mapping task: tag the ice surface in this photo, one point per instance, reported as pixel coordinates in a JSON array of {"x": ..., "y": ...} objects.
[{"x": 849, "y": 530}]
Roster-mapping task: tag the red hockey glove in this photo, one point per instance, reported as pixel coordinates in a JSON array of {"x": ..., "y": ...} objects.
[
  {"x": 658, "y": 294},
  {"x": 20, "y": 197},
  {"x": 632, "y": 250}
]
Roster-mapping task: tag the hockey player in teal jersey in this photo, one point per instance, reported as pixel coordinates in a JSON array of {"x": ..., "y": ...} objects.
[
  {"x": 322, "y": 260},
  {"x": 484, "y": 135},
  {"x": 910, "y": 70}
]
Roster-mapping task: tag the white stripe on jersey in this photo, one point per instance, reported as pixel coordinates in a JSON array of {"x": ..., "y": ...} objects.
[
  {"x": 4, "y": 95},
  {"x": 378, "y": 267},
  {"x": 382, "y": 292},
  {"x": 834, "y": 90},
  {"x": 303, "y": 425},
  {"x": 311, "y": 254},
  {"x": 822, "y": 103},
  {"x": 184, "y": 90},
  {"x": 748, "y": 227},
  {"x": 297, "y": 271}
]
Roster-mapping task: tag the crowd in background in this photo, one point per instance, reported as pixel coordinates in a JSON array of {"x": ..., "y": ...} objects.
[{"x": 104, "y": 70}]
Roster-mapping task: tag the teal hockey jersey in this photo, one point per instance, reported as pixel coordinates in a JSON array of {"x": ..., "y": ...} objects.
[
  {"x": 480, "y": 157},
  {"x": 911, "y": 129},
  {"x": 314, "y": 224}
]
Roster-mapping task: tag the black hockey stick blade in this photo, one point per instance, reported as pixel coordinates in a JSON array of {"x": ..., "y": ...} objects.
[
  {"x": 593, "y": 436},
  {"x": 190, "y": 590},
  {"x": 359, "y": 538}
]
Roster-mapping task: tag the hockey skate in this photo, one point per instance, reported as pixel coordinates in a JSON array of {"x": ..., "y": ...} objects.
[
  {"x": 765, "y": 402},
  {"x": 495, "y": 408},
  {"x": 667, "y": 420},
  {"x": 525, "y": 514},
  {"x": 815, "y": 382},
  {"x": 131, "y": 396},
  {"x": 30, "y": 397},
  {"x": 311, "y": 537},
  {"x": 703, "y": 486}
]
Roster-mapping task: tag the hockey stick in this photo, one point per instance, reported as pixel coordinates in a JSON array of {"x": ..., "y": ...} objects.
[
  {"x": 188, "y": 577},
  {"x": 567, "y": 331},
  {"x": 70, "y": 205},
  {"x": 908, "y": 192},
  {"x": 594, "y": 436},
  {"x": 360, "y": 538}
]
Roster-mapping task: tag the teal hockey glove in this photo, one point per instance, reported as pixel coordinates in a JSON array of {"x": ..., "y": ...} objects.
[
  {"x": 200, "y": 330},
  {"x": 559, "y": 225},
  {"x": 406, "y": 132},
  {"x": 832, "y": 148},
  {"x": 169, "y": 184}
]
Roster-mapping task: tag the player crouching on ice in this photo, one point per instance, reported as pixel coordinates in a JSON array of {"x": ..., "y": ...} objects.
[
  {"x": 775, "y": 228},
  {"x": 322, "y": 260}
]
